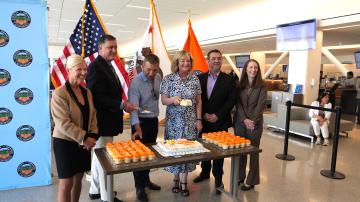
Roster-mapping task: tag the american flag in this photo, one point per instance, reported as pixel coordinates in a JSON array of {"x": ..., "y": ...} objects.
[{"x": 84, "y": 41}]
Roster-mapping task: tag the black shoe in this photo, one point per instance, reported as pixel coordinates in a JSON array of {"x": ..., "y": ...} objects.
[
  {"x": 240, "y": 182},
  {"x": 141, "y": 195},
  {"x": 115, "y": 200},
  {"x": 153, "y": 186},
  {"x": 245, "y": 187},
  {"x": 97, "y": 196},
  {"x": 220, "y": 186},
  {"x": 201, "y": 178},
  {"x": 94, "y": 196}
]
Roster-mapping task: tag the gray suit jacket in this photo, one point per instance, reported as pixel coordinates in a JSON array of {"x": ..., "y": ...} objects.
[{"x": 250, "y": 105}]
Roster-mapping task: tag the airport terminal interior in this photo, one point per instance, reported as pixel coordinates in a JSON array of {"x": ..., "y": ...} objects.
[{"x": 241, "y": 30}]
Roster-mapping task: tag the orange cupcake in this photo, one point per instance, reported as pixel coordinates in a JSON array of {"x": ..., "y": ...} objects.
[
  {"x": 143, "y": 156},
  {"x": 225, "y": 145},
  {"x": 135, "y": 157},
  {"x": 127, "y": 158},
  {"x": 237, "y": 143},
  {"x": 118, "y": 159},
  {"x": 151, "y": 155},
  {"x": 231, "y": 144}
]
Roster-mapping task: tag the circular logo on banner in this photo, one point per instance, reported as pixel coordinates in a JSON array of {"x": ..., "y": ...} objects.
[
  {"x": 24, "y": 96},
  {"x": 6, "y": 153},
  {"x": 25, "y": 133},
  {"x": 5, "y": 116},
  {"x": 4, "y": 38},
  {"x": 26, "y": 169},
  {"x": 22, "y": 58},
  {"x": 4, "y": 77},
  {"x": 21, "y": 19}
]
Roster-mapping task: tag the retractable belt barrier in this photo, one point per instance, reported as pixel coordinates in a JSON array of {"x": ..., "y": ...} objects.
[{"x": 332, "y": 173}]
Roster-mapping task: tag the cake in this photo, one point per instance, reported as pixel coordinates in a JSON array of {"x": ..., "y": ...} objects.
[
  {"x": 185, "y": 102},
  {"x": 180, "y": 147}
]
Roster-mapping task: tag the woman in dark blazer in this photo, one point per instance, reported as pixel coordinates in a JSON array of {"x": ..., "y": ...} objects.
[
  {"x": 75, "y": 131},
  {"x": 248, "y": 119}
]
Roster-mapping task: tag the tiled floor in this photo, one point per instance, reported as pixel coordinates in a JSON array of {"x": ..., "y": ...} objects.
[{"x": 294, "y": 181}]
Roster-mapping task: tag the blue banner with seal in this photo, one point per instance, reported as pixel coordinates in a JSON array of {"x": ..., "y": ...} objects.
[{"x": 24, "y": 90}]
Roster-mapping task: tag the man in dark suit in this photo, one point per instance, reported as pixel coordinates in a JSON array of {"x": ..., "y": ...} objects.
[
  {"x": 107, "y": 93},
  {"x": 218, "y": 98}
]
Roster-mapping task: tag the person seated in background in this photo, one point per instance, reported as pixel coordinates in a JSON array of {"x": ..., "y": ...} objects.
[
  {"x": 320, "y": 119},
  {"x": 350, "y": 80},
  {"x": 75, "y": 131}
]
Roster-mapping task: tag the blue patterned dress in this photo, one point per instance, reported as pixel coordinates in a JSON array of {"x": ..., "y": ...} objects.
[{"x": 181, "y": 120}]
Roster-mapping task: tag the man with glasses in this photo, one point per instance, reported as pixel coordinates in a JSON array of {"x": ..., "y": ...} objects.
[{"x": 144, "y": 92}]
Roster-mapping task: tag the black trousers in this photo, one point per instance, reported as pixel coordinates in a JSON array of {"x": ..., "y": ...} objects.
[
  {"x": 217, "y": 165},
  {"x": 149, "y": 127},
  {"x": 358, "y": 111}
]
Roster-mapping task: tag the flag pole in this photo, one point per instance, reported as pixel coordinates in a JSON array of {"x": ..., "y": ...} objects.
[
  {"x": 82, "y": 32},
  {"x": 152, "y": 24},
  {"x": 189, "y": 14}
]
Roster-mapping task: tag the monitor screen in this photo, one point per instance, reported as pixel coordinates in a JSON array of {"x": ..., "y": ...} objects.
[
  {"x": 241, "y": 60},
  {"x": 357, "y": 59},
  {"x": 296, "y": 36},
  {"x": 285, "y": 68}
]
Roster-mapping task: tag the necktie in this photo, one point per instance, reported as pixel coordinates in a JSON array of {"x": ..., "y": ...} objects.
[{"x": 115, "y": 75}]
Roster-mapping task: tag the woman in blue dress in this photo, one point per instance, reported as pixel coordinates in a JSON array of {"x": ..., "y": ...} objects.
[{"x": 182, "y": 122}]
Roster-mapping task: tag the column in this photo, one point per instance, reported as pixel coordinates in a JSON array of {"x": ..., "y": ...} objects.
[{"x": 304, "y": 69}]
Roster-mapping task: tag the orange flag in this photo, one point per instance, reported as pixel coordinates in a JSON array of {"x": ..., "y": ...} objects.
[{"x": 192, "y": 46}]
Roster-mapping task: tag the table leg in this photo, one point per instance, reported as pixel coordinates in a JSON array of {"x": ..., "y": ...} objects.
[
  {"x": 234, "y": 176},
  {"x": 110, "y": 187}
]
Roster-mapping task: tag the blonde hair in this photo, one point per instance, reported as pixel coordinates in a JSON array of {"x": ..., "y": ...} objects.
[
  {"x": 177, "y": 57},
  {"x": 73, "y": 60}
]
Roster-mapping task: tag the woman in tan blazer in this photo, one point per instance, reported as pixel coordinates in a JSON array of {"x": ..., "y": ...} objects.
[
  {"x": 75, "y": 131},
  {"x": 248, "y": 119}
]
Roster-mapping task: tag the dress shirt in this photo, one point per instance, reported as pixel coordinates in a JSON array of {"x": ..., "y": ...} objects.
[
  {"x": 211, "y": 83},
  {"x": 145, "y": 94}
]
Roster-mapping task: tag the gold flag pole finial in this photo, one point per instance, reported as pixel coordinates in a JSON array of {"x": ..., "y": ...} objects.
[{"x": 189, "y": 15}]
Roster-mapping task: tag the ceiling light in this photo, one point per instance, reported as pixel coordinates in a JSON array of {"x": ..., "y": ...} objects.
[
  {"x": 341, "y": 27},
  {"x": 55, "y": 10},
  {"x": 69, "y": 20},
  {"x": 239, "y": 41},
  {"x": 125, "y": 31},
  {"x": 140, "y": 7},
  {"x": 145, "y": 19},
  {"x": 106, "y": 15},
  {"x": 114, "y": 24},
  {"x": 63, "y": 31}
]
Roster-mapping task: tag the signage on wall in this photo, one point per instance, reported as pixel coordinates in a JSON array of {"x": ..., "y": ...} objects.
[{"x": 24, "y": 90}]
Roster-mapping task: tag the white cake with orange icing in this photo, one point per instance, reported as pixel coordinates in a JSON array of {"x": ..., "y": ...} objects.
[{"x": 180, "y": 147}]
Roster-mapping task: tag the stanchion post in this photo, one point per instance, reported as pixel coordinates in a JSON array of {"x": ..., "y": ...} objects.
[
  {"x": 285, "y": 156},
  {"x": 332, "y": 172}
]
